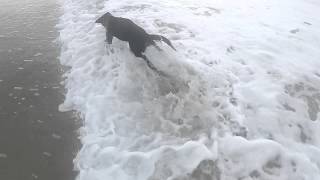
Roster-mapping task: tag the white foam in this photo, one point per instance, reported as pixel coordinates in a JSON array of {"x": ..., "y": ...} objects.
[
  {"x": 3, "y": 155},
  {"x": 47, "y": 154},
  {"x": 239, "y": 99},
  {"x": 35, "y": 176},
  {"x": 38, "y": 54},
  {"x": 40, "y": 121},
  {"x": 33, "y": 89},
  {"x": 18, "y": 88},
  {"x": 56, "y": 136}
]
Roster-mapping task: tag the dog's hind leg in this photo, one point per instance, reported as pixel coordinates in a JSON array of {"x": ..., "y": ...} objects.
[
  {"x": 137, "y": 51},
  {"x": 151, "y": 66},
  {"x": 155, "y": 45}
]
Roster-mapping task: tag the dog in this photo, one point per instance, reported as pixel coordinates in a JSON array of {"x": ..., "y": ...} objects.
[{"x": 126, "y": 30}]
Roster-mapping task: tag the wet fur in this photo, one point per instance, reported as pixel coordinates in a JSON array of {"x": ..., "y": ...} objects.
[{"x": 126, "y": 30}]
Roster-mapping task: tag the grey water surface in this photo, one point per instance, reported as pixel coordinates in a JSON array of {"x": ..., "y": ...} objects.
[{"x": 36, "y": 140}]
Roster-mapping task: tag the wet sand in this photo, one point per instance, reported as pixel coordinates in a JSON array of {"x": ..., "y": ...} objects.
[{"x": 36, "y": 140}]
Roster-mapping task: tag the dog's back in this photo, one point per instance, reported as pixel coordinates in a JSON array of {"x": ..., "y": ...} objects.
[{"x": 126, "y": 30}]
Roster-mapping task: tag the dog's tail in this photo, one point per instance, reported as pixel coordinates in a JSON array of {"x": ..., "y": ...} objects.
[{"x": 161, "y": 38}]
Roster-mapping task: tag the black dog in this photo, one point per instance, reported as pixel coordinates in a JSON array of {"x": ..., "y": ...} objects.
[{"x": 126, "y": 30}]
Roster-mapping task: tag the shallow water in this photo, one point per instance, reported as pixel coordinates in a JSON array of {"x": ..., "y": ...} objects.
[{"x": 36, "y": 140}]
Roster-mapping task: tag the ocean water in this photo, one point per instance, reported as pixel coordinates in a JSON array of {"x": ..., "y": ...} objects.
[{"x": 239, "y": 101}]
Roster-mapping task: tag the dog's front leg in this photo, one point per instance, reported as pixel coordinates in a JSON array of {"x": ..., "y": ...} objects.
[{"x": 109, "y": 37}]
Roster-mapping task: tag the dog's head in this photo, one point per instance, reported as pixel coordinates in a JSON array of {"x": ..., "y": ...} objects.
[{"x": 104, "y": 20}]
